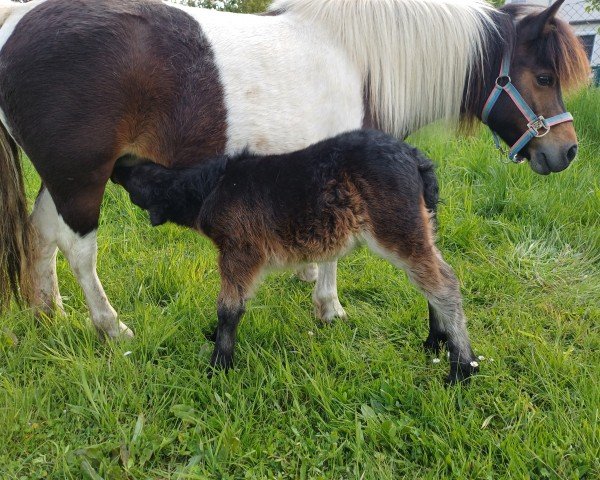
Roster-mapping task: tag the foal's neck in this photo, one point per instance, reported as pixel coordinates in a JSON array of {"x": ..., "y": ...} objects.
[{"x": 188, "y": 189}]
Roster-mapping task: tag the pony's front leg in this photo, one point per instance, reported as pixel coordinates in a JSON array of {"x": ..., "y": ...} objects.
[
  {"x": 325, "y": 297},
  {"x": 44, "y": 218},
  {"x": 308, "y": 272}
]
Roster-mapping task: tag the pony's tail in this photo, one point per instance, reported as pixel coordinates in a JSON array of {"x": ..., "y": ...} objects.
[{"x": 16, "y": 232}]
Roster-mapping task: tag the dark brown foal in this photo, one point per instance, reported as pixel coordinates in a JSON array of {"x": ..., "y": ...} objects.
[{"x": 311, "y": 205}]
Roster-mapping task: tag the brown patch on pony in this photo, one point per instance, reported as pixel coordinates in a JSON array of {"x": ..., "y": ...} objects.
[
  {"x": 16, "y": 233},
  {"x": 134, "y": 78}
]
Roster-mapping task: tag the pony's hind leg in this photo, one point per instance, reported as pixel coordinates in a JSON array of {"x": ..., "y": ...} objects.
[
  {"x": 76, "y": 214},
  {"x": 81, "y": 253},
  {"x": 44, "y": 218},
  {"x": 325, "y": 296}
]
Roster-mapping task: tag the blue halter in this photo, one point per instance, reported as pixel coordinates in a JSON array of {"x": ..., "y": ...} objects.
[{"x": 537, "y": 126}]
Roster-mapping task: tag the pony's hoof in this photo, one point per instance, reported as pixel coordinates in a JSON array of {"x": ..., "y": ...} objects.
[
  {"x": 123, "y": 332},
  {"x": 328, "y": 310},
  {"x": 308, "y": 273},
  {"x": 49, "y": 310},
  {"x": 462, "y": 372}
]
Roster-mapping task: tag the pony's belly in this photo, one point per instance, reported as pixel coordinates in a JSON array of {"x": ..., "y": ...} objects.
[{"x": 286, "y": 86}]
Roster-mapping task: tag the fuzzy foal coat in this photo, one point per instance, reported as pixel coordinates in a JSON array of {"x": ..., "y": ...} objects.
[{"x": 315, "y": 204}]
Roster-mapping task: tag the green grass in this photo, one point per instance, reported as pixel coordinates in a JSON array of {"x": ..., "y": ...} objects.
[{"x": 357, "y": 399}]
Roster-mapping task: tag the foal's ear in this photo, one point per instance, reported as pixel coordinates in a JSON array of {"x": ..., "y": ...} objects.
[
  {"x": 535, "y": 25},
  {"x": 157, "y": 216}
]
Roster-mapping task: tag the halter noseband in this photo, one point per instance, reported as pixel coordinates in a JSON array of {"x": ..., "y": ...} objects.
[{"x": 537, "y": 126}]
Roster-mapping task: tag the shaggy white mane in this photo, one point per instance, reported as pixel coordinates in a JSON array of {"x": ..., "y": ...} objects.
[{"x": 415, "y": 55}]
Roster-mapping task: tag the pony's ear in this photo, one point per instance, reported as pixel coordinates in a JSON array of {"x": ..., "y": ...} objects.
[{"x": 535, "y": 25}]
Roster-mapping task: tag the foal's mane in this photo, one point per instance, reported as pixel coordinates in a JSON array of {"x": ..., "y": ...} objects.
[{"x": 424, "y": 60}]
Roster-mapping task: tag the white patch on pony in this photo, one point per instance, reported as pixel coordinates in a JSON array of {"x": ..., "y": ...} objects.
[
  {"x": 414, "y": 54},
  {"x": 11, "y": 14},
  {"x": 81, "y": 253},
  {"x": 325, "y": 297},
  {"x": 286, "y": 86},
  {"x": 308, "y": 272},
  {"x": 45, "y": 221}
]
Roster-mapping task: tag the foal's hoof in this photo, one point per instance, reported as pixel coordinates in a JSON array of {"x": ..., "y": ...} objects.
[
  {"x": 219, "y": 361},
  {"x": 211, "y": 336},
  {"x": 462, "y": 372},
  {"x": 433, "y": 345},
  {"x": 308, "y": 273},
  {"x": 327, "y": 310}
]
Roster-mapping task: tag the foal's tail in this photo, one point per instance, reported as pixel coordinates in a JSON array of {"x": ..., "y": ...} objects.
[
  {"x": 430, "y": 183},
  {"x": 16, "y": 233}
]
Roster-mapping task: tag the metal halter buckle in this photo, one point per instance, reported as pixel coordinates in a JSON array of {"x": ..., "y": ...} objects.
[{"x": 537, "y": 124}]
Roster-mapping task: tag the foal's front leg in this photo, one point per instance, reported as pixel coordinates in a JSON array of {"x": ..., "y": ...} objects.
[{"x": 239, "y": 273}]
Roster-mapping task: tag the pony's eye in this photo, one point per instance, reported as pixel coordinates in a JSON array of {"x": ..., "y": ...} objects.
[{"x": 545, "y": 80}]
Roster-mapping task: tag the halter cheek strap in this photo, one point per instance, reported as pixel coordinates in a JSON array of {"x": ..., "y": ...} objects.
[{"x": 537, "y": 125}]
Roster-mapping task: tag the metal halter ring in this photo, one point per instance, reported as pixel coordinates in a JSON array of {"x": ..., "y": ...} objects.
[
  {"x": 506, "y": 79},
  {"x": 537, "y": 124}
]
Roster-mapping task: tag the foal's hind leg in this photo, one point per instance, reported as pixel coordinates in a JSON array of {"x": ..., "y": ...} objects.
[
  {"x": 437, "y": 337},
  {"x": 437, "y": 281},
  {"x": 308, "y": 273},
  {"x": 435, "y": 278},
  {"x": 44, "y": 218}
]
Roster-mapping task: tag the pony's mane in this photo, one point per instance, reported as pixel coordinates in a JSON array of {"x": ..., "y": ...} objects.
[{"x": 415, "y": 55}]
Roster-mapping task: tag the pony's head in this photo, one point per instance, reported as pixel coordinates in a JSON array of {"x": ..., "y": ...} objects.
[{"x": 543, "y": 58}]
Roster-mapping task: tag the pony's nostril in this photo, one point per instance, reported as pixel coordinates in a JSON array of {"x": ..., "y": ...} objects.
[{"x": 571, "y": 154}]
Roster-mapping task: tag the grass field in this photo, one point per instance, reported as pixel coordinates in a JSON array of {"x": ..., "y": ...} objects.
[{"x": 357, "y": 399}]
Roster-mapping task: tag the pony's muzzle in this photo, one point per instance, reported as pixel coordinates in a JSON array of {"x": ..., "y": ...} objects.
[{"x": 552, "y": 158}]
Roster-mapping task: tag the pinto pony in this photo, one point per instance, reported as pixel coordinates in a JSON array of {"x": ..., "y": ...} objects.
[
  {"x": 84, "y": 83},
  {"x": 311, "y": 205}
]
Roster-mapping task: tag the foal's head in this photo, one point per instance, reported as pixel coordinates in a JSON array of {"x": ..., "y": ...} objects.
[
  {"x": 543, "y": 56},
  {"x": 145, "y": 185}
]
